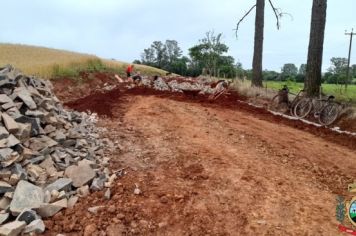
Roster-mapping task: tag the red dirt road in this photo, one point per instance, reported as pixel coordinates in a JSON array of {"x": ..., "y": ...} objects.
[{"x": 205, "y": 170}]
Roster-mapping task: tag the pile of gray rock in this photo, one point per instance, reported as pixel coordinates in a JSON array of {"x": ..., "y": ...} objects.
[
  {"x": 48, "y": 156},
  {"x": 178, "y": 85}
]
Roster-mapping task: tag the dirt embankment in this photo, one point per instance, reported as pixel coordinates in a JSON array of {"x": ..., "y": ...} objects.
[
  {"x": 103, "y": 103},
  {"x": 69, "y": 89}
]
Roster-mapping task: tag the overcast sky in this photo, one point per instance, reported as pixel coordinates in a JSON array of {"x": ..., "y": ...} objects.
[{"x": 122, "y": 29}]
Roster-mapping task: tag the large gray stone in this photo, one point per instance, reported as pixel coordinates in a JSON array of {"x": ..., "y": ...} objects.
[
  {"x": 49, "y": 129},
  {"x": 38, "y": 114},
  {"x": 35, "y": 124},
  {"x": 19, "y": 171},
  {"x": 3, "y": 132},
  {"x": 14, "y": 157},
  {"x": 48, "y": 210},
  {"x": 59, "y": 185},
  {"x": 59, "y": 136},
  {"x": 26, "y": 195},
  {"x": 40, "y": 143},
  {"x": 13, "y": 228},
  {"x": 36, "y": 226},
  {"x": 24, "y": 132},
  {"x": 72, "y": 201},
  {"x": 12, "y": 141},
  {"x": 14, "y": 112},
  {"x": 80, "y": 175},
  {"x": 3, "y": 143},
  {"x": 69, "y": 143},
  {"x": 35, "y": 160},
  {"x": 28, "y": 153},
  {"x": 25, "y": 96},
  {"x": 10, "y": 124},
  {"x": 3, "y": 217},
  {"x": 49, "y": 142},
  {"x": 5, "y": 99},
  {"x": 5, "y": 187},
  {"x": 98, "y": 183},
  {"x": 5, "y": 153},
  {"x": 8, "y": 105}
]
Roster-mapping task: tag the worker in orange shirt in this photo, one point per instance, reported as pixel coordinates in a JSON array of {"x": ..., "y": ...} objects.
[{"x": 129, "y": 70}]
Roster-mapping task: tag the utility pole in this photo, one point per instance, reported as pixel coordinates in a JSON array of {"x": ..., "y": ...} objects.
[{"x": 348, "y": 61}]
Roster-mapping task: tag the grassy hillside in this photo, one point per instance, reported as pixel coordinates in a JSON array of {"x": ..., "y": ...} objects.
[{"x": 51, "y": 63}]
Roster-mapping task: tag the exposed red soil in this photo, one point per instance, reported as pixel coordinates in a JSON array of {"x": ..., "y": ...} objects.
[
  {"x": 211, "y": 168},
  {"x": 102, "y": 103},
  {"x": 69, "y": 88},
  {"x": 207, "y": 168},
  {"x": 99, "y": 102}
]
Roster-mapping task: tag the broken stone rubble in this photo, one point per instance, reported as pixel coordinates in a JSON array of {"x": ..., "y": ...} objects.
[
  {"x": 48, "y": 156},
  {"x": 180, "y": 84}
]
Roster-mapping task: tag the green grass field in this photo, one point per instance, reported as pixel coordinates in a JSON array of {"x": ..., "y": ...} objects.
[
  {"x": 51, "y": 63},
  {"x": 329, "y": 89}
]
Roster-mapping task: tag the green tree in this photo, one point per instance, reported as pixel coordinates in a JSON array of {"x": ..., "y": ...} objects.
[
  {"x": 167, "y": 56},
  {"x": 180, "y": 66},
  {"x": 289, "y": 70},
  {"x": 208, "y": 53},
  {"x": 270, "y": 75},
  {"x": 148, "y": 57},
  {"x": 161, "y": 56},
  {"x": 338, "y": 70},
  {"x": 226, "y": 67},
  {"x": 240, "y": 72},
  {"x": 338, "y": 65},
  {"x": 173, "y": 50},
  {"x": 300, "y": 77}
]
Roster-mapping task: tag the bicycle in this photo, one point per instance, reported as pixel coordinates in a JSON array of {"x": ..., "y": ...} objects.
[
  {"x": 281, "y": 100},
  {"x": 326, "y": 110},
  {"x": 221, "y": 88}
]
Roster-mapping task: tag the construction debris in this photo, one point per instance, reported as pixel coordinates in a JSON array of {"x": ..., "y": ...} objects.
[
  {"x": 179, "y": 84},
  {"x": 49, "y": 156}
]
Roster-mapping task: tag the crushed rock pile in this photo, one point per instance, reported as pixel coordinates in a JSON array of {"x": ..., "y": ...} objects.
[
  {"x": 179, "y": 84},
  {"x": 49, "y": 156}
]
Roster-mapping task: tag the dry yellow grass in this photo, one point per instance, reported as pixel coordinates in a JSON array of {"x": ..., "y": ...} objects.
[
  {"x": 244, "y": 88},
  {"x": 121, "y": 67},
  {"x": 43, "y": 62}
]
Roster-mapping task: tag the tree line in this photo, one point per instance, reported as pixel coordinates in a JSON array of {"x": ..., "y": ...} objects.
[
  {"x": 208, "y": 57},
  {"x": 336, "y": 73}
]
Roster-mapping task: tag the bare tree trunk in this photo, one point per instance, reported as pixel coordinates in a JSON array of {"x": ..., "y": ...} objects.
[
  {"x": 258, "y": 48},
  {"x": 315, "y": 51}
]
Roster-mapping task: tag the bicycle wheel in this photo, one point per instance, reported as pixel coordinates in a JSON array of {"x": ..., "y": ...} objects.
[
  {"x": 274, "y": 103},
  {"x": 292, "y": 106},
  {"x": 329, "y": 114},
  {"x": 303, "y": 107}
]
